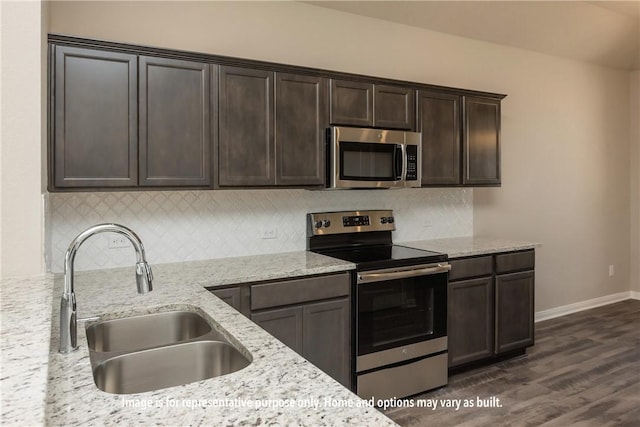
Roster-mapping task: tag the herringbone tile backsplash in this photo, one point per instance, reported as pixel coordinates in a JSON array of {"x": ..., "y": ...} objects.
[{"x": 194, "y": 225}]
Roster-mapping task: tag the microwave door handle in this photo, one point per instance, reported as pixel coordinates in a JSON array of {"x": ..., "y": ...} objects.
[
  {"x": 404, "y": 162},
  {"x": 398, "y": 157},
  {"x": 366, "y": 277}
]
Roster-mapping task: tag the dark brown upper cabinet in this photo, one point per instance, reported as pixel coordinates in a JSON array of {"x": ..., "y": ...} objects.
[
  {"x": 268, "y": 140},
  {"x": 246, "y": 136},
  {"x": 351, "y": 103},
  {"x": 301, "y": 120},
  {"x": 439, "y": 119},
  {"x": 175, "y": 137},
  {"x": 368, "y": 105},
  {"x": 95, "y": 119},
  {"x": 481, "y": 141},
  {"x": 459, "y": 146},
  {"x": 394, "y": 107},
  {"x": 126, "y": 116}
]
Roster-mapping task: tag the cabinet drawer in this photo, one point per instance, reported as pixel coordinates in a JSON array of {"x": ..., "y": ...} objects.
[
  {"x": 471, "y": 267},
  {"x": 299, "y": 290},
  {"x": 515, "y": 261}
]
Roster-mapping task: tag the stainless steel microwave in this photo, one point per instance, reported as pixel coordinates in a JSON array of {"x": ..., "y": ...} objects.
[{"x": 373, "y": 158}]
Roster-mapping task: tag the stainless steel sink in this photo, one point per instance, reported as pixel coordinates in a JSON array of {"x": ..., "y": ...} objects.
[
  {"x": 146, "y": 331},
  {"x": 153, "y": 351},
  {"x": 168, "y": 366}
]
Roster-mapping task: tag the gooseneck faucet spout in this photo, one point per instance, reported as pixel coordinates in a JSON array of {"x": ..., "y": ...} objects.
[{"x": 68, "y": 320}]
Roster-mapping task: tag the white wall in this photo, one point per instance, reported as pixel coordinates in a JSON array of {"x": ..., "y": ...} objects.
[
  {"x": 23, "y": 120},
  {"x": 634, "y": 133},
  {"x": 566, "y": 179}
]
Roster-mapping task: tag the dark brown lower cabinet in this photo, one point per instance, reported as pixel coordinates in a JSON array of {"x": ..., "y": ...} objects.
[
  {"x": 490, "y": 306},
  {"x": 319, "y": 332},
  {"x": 311, "y": 315},
  {"x": 514, "y": 311},
  {"x": 230, "y": 296},
  {"x": 470, "y": 320},
  {"x": 284, "y": 324},
  {"x": 326, "y": 338}
]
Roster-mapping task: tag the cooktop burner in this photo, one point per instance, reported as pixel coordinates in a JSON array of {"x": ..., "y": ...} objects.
[{"x": 364, "y": 238}]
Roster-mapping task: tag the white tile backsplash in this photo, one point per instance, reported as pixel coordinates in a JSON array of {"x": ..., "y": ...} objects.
[{"x": 193, "y": 225}]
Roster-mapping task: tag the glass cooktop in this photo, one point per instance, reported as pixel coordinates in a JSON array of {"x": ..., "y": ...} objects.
[{"x": 384, "y": 256}]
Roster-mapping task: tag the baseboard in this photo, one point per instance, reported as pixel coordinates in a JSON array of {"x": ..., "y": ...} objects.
[{"x": 584, "y": 305}]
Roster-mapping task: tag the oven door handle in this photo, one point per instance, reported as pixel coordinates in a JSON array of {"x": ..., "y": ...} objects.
[{"x": 366, "y": 277}]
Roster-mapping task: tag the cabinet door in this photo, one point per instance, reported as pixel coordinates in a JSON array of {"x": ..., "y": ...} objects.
[
  {"x": 470, "y": 320},
  {"x": 439, "y": 122},
  {"x": 394, "y": 107},
  {"x": 230, "y": 296},
  {"x": 246, "y": 137},
  {"x": 481, "y": 141},
  {"x": 285, "y": 324},
  {"x": 351, "y": 103},
  {"x": 326, "y": 338},
  {"x": 301, "y": 120},
  {"x": 95, "y": 142},
  {"x": 514, "y": 301},
  {"x": 175, "y": 142}
]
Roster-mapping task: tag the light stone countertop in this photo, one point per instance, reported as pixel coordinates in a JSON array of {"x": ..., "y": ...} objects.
[
  {"x": 458, "y": 247},
  {"x": 33, "y": 372}
]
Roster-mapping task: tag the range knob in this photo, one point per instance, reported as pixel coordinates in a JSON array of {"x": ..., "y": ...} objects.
[
  {"x": 318, "y": 224},
  {"x": 383, "y": 220},
  {"x": 326, "y": 223},
  {"x": 390, "y": 220}
]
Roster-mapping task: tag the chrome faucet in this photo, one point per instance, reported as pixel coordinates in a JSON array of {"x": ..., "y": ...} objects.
[{"x": 68, "y": 321}]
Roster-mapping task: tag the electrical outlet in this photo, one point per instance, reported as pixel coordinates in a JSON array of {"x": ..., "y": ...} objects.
[
  {"x": 269, "y": 233},
  {"x": 611, "y": 270},
  {"x": 117, "y": 241}
]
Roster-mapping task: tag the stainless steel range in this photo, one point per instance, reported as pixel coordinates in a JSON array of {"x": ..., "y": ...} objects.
[{"x": 400, "y": 303}]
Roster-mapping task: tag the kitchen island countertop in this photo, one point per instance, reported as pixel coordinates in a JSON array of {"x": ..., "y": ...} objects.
[{"x": 279, "y": 387}]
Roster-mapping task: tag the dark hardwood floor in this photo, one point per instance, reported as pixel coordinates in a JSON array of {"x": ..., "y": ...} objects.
[{"x": 584, "y": 370}]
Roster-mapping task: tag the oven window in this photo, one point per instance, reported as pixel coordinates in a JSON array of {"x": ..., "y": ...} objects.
[
  {"x": 367, "y": 162},
  {"x": 401, "y": 312}
]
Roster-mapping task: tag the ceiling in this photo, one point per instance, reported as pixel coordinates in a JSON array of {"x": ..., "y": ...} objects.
[{"x": 601, "y": 32}]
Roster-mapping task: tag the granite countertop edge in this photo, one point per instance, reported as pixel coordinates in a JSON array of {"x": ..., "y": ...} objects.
[{"x": 466, "y": 246}]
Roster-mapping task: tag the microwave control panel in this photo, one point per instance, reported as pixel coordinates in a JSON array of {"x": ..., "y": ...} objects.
[{"x": 412, "y": 163}]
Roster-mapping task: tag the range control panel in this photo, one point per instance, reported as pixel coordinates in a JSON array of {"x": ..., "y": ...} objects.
[
  {"x": 349, "y": 222},
  {"x": 356, "y": 221}
]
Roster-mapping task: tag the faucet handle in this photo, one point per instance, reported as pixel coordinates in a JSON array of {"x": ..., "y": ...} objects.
[{"x": 144, "y": 277}]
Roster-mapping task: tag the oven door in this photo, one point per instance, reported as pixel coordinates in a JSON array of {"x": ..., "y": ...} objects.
[{"x": 401, "y": 314}]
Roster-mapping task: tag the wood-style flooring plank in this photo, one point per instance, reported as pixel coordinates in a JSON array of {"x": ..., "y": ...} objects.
[{"x": 583, "y": 371}]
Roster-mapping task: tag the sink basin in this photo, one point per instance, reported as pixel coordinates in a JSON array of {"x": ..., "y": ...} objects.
[
  {"x": 167, "y": 366},
  {"x": 154, "y": 351},
  {"x": 146, "y": 331}
]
